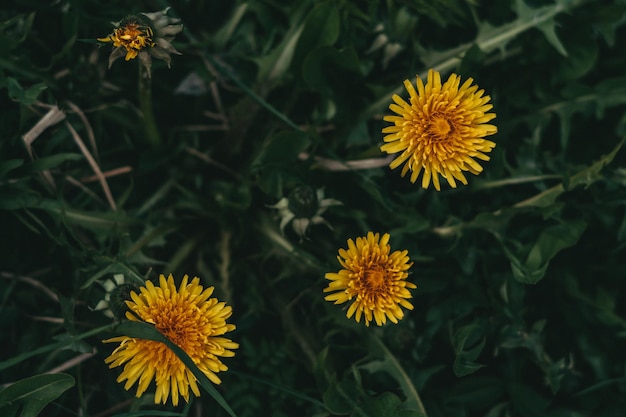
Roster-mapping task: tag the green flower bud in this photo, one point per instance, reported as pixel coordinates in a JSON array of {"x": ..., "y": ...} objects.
[{"x": 303, "y": 202}]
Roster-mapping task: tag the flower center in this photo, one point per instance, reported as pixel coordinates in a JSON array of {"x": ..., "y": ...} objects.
[
  {"x": 375, "y": 278},
  {"x": 440, "y": 127},
  {"x": 134, "y": 37},
  {"x": 180, "y": 324}
]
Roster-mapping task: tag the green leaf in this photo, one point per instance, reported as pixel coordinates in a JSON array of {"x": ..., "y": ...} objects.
[
  {"x": 288, "y": 390},
  {"x": 225, "y": 33},
  {"x": 476, "y": 391},
  {"x": 147, "y": 331},
  {"x": 322, "y": 376},
  {"x": 48, "y": 348},
  {"x": 231, "y": 196},
  {"x": 390, "y": 365},
  {"x": 555, "y": 374},
  {"x": 583, "y": 99},
  {"x": 580, "y": 60},
  {"x": 548, "y": 28},
  {"x": 545, "y": 25},
  {"x": 282, "y": 149},
  {"x": 403, "y": 23},
  {"x": 9, "y": 165},
  {"x": 585, "y": 177},
  {"x": 326, "y": 69},
  {"x": 607, "y": 19},
  {"x": 463, "y": 367},
  {"x": 610, "y": 92},
  {"x": 115, "y": 267},
  {"x": 374, "y": 190},
  {"x": 341, "y": 397},
  {"x": 387, "y": 405},
  {"x": 552, "y": 240},
  {"x": 347, "y": 397},
  {"x": 274, "y": 65},
  {"x": 359, "y": 135},
  {"x": 526, "y": 401},
  {"x": 489, "y": 38},
  {"x": 321, "y": 28},
  {"x": 271, "y": 182},
  {"x": 473, "y": 58},
  {"x": 467, "y": 349},
  {"x": 49, "y": 162},
  {"x": 90, "y": 220},
  {"x": 516, "y": 337},
  {"x": 25, "y": 96},
  {"x": 14, "y": 197},
  {"x": 34, "y": 393},
  {"x": 70, "y": 342},
  {"x": 14, "y": 31}
]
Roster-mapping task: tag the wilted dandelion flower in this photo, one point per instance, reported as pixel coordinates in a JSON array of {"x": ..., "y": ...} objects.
[
  {"x": 441, "y": 130},
  {"x": 303, "y": 207},
  {"x": 187, "y": 317},
  {"x": 145, "y": 35},
  {"x": 372, "y": 279}
]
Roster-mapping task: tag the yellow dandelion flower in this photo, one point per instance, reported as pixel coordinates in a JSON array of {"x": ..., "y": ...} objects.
[
  {"x": 441, "y": 130},
  {"x": 132, "y": 37},
  {"x": 187, "y": 317},
  {"x": 144, "y": 35},
  {"x": 373, "y": 279}
]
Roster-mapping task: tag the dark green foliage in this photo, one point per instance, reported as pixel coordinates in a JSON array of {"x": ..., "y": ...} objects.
[
  {"x": 29, "y": 396},
  {"x": 520, "y": 309}
]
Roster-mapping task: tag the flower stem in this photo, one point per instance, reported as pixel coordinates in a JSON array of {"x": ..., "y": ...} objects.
[
  {"x": 145, "y": 104},
  {"x": 393, "y": 367}
]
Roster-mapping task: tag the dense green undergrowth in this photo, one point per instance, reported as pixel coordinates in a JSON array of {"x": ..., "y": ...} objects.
[{"x": 520, "y": 308}]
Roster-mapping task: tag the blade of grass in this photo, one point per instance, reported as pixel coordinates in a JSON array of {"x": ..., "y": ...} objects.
[
  {"x": 229, "y": 74},
  {"x": 53, "y": 346},
  {"x": 147, "y": 331},
  {"x": 280, "y": 388}
]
